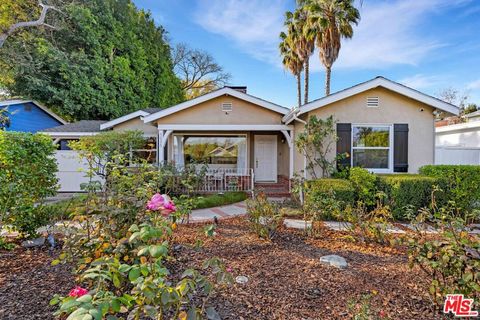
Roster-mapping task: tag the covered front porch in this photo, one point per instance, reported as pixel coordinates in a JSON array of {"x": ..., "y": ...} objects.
[{"x": 232, "y": 157}]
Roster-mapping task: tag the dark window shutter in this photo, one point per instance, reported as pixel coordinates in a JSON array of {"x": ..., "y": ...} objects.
[
  {"x": 344, "y": 144},
  {"x": 400, "y": 147}
]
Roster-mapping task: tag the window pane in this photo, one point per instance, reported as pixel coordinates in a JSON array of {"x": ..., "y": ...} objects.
[
  {"x": 226, "y": 151},
  {"x": 370, "y": 158},
  {"x": 371, "y": 136}
]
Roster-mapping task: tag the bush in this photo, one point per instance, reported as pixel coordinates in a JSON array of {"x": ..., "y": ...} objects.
[
  {"x": 27, "y": 177},
  {"x": 463, "y": 183},
  {"x": 365, "y": 184},
  {"x": 264, "y": 216},
  {"x": 407, "y": 193}
]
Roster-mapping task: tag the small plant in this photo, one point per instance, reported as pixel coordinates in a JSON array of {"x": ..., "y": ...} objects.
[
  {"x": 6, "y": 245},
  {"x": 452, "y": 259},
  {"x": 363, "y": 309},
  {"x": 264, "y": 216},
  {"x": 365, "y": 184},
  {"x": 370, "y": 225}
]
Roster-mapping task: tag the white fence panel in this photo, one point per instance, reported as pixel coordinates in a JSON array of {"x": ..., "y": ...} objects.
[
  {"x": 457, "y": 155},
  {"x": 70, "y": 175}
]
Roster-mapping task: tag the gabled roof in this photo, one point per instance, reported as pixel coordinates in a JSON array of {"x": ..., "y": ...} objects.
[
  {"x": 212, "y": 95},
  {"x": 128, "y": 117},
  {"x": 79, "y": 126},
  {"x": 371, "y": 84},
  {"x": 7, "y": 103}
]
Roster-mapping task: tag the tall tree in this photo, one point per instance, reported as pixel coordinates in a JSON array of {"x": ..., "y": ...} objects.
[
  {"x": 331, "y": 20},
  {"x": 16, "y": 15},
  {"x": 106, "y": 59},
  {"x": 291, "y": 61},
  {"x": 198, "y": 71}
]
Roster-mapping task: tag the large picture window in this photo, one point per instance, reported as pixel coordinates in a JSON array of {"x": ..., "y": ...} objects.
[
  {"x": 372, "y": 147},
  {"x": 214, "y": 151}
]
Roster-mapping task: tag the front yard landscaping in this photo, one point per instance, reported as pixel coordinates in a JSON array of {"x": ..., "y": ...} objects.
[
  {"x": 286, "y": 278},
  {"x": 125, "y": 251}
]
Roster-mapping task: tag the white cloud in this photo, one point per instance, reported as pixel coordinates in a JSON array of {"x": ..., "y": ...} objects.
[
  {"x": 474, "y": 85},
  {"x": 253, "y": 25},
  {"x": 388, "y": 33},
  {"x": 422, "y": 81}
]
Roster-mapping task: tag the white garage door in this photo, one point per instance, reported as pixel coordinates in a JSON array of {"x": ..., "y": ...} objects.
[{"x": 71, "y": 171}]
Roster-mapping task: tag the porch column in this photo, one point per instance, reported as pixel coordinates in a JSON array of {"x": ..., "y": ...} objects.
[
  {"x": 160, "y": 153},
  {"x": 289, "y": 137}
]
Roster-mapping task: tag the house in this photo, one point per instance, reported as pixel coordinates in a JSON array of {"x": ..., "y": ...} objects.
[
  {"x": 29, "y": 116},
  {"x": 247, "y": 136}
]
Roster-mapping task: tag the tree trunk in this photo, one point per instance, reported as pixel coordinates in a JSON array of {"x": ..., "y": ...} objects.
[
  {"x": 328, "y": 73},
  {"x": 299, "y": 89},
  {"x": 307, "y": 79}
]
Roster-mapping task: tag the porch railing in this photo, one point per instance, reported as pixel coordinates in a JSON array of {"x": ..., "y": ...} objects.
[{"x": 227, "y": 179}]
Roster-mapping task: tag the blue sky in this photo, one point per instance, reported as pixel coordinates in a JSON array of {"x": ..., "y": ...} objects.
[{"x": 426, "y": 44}]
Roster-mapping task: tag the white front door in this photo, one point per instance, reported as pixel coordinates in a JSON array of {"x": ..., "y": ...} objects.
[{"x": 265, "y": 158}]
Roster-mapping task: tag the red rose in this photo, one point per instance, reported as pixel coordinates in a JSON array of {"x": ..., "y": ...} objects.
[{"x": 77, "y": 292}]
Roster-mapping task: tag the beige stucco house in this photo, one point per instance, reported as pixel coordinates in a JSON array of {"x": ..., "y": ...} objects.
[{"x": 382, "y": 125}]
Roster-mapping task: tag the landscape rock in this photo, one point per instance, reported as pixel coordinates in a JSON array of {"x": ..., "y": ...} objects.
[
  {"x": 241, "y": 279},
  {"x": 38, "y": 242},
  {"x": 334, "y": 261},
  {"x": 297, "y": 224}
]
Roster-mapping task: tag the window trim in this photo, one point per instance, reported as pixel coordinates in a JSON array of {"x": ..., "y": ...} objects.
[{"x": 390, "y": 147}]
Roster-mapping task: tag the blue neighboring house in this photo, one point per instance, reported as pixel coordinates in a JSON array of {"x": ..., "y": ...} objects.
[{"x": 29, "y": 116}]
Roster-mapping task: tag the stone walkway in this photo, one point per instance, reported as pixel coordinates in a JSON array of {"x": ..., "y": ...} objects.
[{"x": 224, "y": 212}]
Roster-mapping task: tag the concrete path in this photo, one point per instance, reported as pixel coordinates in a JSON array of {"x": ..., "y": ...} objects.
[{"x": 224, "y": 212}]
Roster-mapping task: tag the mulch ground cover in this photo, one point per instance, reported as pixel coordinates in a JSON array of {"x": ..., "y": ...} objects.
[{"x": 286, "y": 279}]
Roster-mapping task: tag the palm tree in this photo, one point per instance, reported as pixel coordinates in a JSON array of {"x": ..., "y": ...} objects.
[
  {"x": 291, "y": 61},
  {"x": 304, "y": 40},
  {"x": 330, "y": 20}
]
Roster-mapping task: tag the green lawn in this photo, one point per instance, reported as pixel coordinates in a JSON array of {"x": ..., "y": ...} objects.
[{"x": 215, "y": 200}]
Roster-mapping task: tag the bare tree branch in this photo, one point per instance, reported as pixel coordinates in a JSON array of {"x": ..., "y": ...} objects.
[
  {"x": 198, "y": 70},
  {"x": 26, "y": 24}
]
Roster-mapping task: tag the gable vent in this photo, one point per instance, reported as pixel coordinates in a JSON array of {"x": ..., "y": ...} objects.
[
  {"x": 372, "y": 102},
  {"x": 227, "y": 107}
]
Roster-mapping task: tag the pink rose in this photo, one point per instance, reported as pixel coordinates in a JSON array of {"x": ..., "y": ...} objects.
[
  {"x": 230, "y": 270},
  {"x": 170, "y": 206},
  {"x": 77, "y": 292},
  {"x": 156, "y": 202}
]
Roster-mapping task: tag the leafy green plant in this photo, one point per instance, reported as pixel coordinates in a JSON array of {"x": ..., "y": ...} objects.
[
  {"x": 369, "y": 225},
  {"x": 264, "y": 216},
  {"x": 365, "y": 184},
  {"x": 462, "y": 184},
  {"x": 25, "y": 184},
  {"x": 407, "y": 192},
  {"x": 451, "y": 259},
  {"x": 362, "y": 309},
  {"x": 316, "y": 142},
  {"x": 326, "y": 197},
  {"x": 6, "y": 245}
]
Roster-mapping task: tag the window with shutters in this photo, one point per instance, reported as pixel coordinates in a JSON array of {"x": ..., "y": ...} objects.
[{"x": 372, "y": 147}]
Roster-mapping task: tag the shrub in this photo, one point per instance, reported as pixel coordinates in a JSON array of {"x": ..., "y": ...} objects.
[
  {"x": 365, "y": 184},
  {"x": 463, "y": 183},
  {"x": 451, "y": 259},
  {"x": 324, "y": 198},
  {"x": 27, "y": 177},
  {"x": 407, "y": 193},
  {"x": 264, "y": 216}
]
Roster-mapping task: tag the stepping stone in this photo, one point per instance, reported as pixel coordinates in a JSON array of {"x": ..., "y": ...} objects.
[
  {"x": 297, "y": 224},
  {"x": 334, "y": 261},
  {"x": 393, "y": 229},
  {"x": 241, "y": 279},
  {"x": 337, "y": 226},
  {"x": 38, "y": 242}
]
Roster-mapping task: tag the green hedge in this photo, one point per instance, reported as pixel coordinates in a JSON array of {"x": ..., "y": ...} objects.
[
  {"x": 341, "y": 189},
  {"x": 407, "y": 192},
  {"x": 463, "y": 183}
]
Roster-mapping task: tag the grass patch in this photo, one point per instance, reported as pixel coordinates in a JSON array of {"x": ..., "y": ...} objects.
[{"x": 216, "y": 200}]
